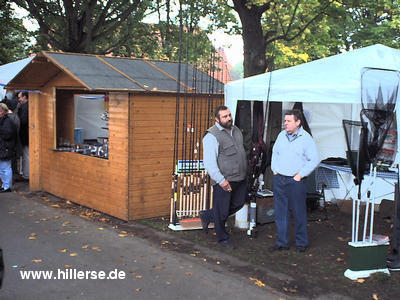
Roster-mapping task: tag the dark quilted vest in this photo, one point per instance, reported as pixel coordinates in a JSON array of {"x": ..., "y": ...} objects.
[{"x": 231, "y": 160}]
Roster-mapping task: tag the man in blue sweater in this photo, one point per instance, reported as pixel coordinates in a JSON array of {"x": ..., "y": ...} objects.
[{"x": 294, "y": 156}]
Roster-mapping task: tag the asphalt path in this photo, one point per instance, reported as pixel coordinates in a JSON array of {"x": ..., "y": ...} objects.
[{"x": 38, "y": 237}]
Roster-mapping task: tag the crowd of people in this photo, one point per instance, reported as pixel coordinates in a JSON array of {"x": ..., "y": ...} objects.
[{"x": 14, "y": 139}]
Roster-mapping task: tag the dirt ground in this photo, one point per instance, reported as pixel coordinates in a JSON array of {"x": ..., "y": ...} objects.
[{"x": 317, "y": 272}]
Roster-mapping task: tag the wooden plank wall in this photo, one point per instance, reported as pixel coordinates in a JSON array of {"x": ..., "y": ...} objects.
[
  {"x": 93, "y": 182},
  {"x": 151, "y": 150}
]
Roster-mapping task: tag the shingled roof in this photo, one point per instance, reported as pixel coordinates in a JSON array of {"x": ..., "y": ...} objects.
[{"x": 97, "y": 72}]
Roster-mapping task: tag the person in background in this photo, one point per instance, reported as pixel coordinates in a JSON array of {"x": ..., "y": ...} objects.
[
  {"x": 226, "y": 162},
  {"x": 23, "y": 114},
  {"x": 18, "y": 148},
  {"x": 11, "y": 100},
  {"x": 8, "y": 137},
  {"x": 294, "y": 156}
]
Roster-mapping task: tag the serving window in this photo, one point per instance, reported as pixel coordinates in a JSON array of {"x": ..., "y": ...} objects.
[{"x": 82, "y": 123}]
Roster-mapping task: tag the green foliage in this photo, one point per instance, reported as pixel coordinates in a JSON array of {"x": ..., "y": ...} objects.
[
  {"x": 14, "y": 37},
  {"x": 370, "y": 22},
  {"x": 84, "y": 26}
]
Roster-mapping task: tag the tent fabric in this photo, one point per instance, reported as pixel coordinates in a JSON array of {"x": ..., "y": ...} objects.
[
  {"x": 9, "y": 71},
  {"x": 335, "y": 79}
]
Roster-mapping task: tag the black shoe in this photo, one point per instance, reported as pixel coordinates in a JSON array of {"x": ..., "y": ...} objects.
[
  {"x": 394, "y": 265},
  {"x": 227, "y": 244},
  {"x": 301, "y": 249},
  {"x": 204, "y": 222},
  {"x": 277, "y": 248},
  {"x": 5, "y": 191}
]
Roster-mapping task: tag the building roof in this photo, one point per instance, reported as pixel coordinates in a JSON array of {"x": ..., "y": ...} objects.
[{"x": 96, "y": 72}]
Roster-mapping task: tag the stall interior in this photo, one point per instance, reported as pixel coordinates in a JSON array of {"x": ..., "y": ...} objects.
[{"x": 81, "y": 123}]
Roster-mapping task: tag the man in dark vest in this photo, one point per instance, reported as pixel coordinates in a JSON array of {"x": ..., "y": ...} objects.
[{"x": 226, "y": 163}]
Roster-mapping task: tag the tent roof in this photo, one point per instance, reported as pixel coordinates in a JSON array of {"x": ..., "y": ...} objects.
[
  {"x": 8, "y": 71},
  {"x": 335, "y": 79},
  {"x": 96, "y": 72}
]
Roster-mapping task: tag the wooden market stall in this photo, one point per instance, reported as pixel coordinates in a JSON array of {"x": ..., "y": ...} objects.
[{"x": 102, "y": 129}]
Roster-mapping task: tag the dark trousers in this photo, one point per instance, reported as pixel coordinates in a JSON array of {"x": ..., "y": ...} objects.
[
  {"x": 290, "y": 196},
  {"x": 225, "y": 204}
]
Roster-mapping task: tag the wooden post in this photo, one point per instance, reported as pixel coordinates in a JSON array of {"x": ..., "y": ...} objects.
[{"x": 34, "y": 142}]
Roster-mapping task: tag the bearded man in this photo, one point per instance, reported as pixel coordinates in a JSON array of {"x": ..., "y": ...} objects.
[{"x": 226, "y": 163}]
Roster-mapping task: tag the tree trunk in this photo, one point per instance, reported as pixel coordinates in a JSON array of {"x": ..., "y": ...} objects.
[{"x": 254, "y": 44}]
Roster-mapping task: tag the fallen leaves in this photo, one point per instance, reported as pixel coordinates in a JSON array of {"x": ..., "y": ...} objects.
[
  {"x": 36, "y": 261},
  {"x": 360, "y": 280},
  {"x": 65, "y": 232},
  {"x": 257, "y": 282},
  {"x": 73, "y": 254},
  {"x": 63, "y": 250},
  {"x": 11, "y": 212},
  {"x": 339, "y": 259},
  {"x": 375, "y": 296}
]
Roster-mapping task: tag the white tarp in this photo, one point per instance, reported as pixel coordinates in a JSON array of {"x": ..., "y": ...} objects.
[
  {"x": 330, "y": 90},
  {"x": 334, "y": 81},
  {"x": 9, "y": 71}
]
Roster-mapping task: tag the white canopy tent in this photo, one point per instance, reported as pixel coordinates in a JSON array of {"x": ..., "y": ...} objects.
[
  {"x": 330, "y": 90},
  {"x": 334, "y": 81},
  {"x": 9, "y": 71}
]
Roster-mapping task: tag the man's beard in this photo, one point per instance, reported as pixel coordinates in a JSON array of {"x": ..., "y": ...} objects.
[{"x": 227, "y": 124}]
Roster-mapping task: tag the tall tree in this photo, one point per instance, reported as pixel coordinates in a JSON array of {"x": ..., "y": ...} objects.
[
  {"x": 264, "y": 22},
  {"x": 14, "y": 37},
  {"x": 84, "y": 26}
]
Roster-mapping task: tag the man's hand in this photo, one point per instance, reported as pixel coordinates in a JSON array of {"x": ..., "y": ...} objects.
[
  {"x": 297, "y": 177},
  {"x": 226, "y": 186}
]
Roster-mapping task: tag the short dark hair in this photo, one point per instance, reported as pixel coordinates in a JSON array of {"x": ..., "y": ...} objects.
[
  {"x": 218, "y": 109},
  {"x": 298, "y": 115},
  {"x": 25, "y": 94}
]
